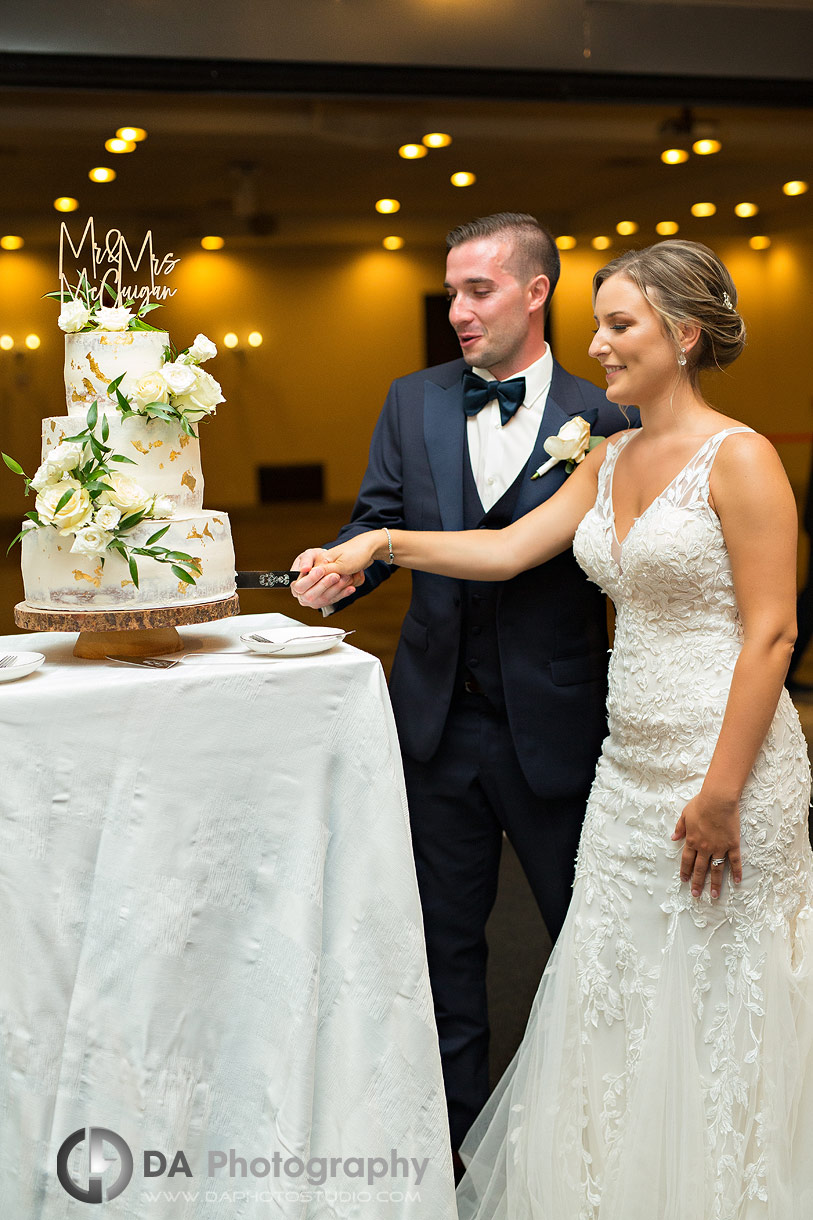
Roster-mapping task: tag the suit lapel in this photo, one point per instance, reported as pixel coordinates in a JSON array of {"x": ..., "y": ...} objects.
[
  {"x": 444, "y": 429},
  {"x": 564, "y": 401}
]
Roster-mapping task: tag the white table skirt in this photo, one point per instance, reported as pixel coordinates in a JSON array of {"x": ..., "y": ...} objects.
[{"x": 211, "y": 937}]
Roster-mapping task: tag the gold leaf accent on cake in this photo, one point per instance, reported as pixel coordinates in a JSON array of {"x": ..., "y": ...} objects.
[
  {"x": 217, "y": 521},
  {"x": 125, "y": 583},
  {"x": 183, "y": 588},
  {"x": 206, "y": 534},
  {"x": 53, "y": 425},
  {"x": 160, "y": 465},
  {"x": 140, "y": 447},
  {"x": 188, "y": 480},
  {"x": 91, "y": 389},
  {"x": 95, "y": 579},
  {"x": 94, "y": 368},
  {"x": 184, "y": 439},
  {"x": 173, "y": 454},
  {"x": 76, "y": 396},
  {"x": 116, "y": 337}
]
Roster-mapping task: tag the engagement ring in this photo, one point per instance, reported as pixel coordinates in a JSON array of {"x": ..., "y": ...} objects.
[{"x": 717, "y": 863}]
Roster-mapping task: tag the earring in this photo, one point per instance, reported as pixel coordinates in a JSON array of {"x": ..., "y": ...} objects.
[{"x": 682, "y": 357}]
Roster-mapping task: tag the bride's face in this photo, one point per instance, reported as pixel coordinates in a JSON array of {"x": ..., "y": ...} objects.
[{"x": 631, "y": 344}]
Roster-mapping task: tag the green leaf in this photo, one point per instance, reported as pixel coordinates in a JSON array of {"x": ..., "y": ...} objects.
[
  {"x": 595, "y": 440},
  {"x": 182, "y": 556},
  {"x": 138, "y": 324},
  {"x": 109, "y": 291},
  {"x": 133, "y": 571},
  {"x": 80, "y": 436},
  {"x": 16, "y": 538},
  {"x": 93, "y": 415},
  {"x": 129, "y": 522},
  {"x": 187, "y": 427},
  {"x": 183, "y": 575},
  {"x": 158, "y": 410},
  {"x": 35, "y": 517},
  {"x": 154, "y": 538},
  {"x": 105, "y": 428},
  {"x": 12, "y": 465},
  {"x": 97, "y": 450},
  {"x": 63, "y": 500},
  {"x": 114, "y": 385},
  {"x": 123, "y": 404},
  {"x": 119, "y": 457}
]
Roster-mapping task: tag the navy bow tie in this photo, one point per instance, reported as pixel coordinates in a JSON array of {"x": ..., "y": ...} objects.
[{"x": 477, "y": 392}]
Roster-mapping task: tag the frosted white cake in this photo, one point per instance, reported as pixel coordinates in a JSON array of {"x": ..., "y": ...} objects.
[{"x": 57, "y": 573}]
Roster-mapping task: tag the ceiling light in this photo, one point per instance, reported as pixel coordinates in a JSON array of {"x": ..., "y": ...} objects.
[
  {"x": 463, "y": 178},
  {"x": 601, "y": 243},
  {"x": 393, "y": 243},
  {"x": 65, "y": 203},
  {"x": 132, "y": 133},
  {"x": 11, "y": 242},
  {"x": 212, "y": 242},
  {"x": 704, "y": 209},
  {"x": 412, "y": 152},
  {"x": 230, "y": 339},
  {"x": 6, "y": 343},
  {"x": 704, "y": 148},
  {"x": 566, "y": 242},
  {"x": 667, "y": 227},
  {"x": 745, "y": 209},
  {"x": 795, "y": 188},
  {"x": 437, "y": 139},
  {"x": 626, "y": 227},
  {"x": 386, "y": 206},
  {"x": 759, "y": 243},
  {"x": 102, "y": 174},
  {"x": 120, "y": 146},
  {"x": 32, "y": 342},
  {"x": 674, "y": 156},
  {"x": 255, "y": 339}
]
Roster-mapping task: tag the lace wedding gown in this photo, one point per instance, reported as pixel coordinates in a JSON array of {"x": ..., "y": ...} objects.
[{"x": 667, "y": 1069}]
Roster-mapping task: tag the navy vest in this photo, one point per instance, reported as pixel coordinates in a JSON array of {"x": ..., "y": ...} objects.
[{"x": 479, "y": 649}]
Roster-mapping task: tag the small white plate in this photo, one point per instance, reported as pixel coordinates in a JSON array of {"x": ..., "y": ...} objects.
[
  {"x": 23, "y": 663},
  {"x": 285, "y": 642}
]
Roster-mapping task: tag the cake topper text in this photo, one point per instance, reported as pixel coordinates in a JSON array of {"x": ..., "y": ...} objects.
[{"x": 104, "y": 266}]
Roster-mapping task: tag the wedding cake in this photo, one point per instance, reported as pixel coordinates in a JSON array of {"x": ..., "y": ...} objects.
[{"x": 118, "y": 522}]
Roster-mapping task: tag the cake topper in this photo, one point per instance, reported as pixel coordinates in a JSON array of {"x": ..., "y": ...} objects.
[{"x": 101, "y": 268}]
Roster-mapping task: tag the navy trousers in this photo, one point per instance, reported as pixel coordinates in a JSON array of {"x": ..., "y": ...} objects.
[{"x": 460, "y": 803}]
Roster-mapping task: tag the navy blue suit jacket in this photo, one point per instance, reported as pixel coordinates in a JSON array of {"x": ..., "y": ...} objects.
[{"x": 551, "y": 621}]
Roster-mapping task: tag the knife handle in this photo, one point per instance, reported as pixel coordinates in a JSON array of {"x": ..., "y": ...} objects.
[{"x": 266, "y": 580}]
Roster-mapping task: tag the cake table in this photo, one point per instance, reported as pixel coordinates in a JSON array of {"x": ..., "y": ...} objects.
[{"x": 212, "y": 938}]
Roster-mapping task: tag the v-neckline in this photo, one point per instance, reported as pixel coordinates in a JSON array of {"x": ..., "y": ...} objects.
[{"x": 660, "y": 494}]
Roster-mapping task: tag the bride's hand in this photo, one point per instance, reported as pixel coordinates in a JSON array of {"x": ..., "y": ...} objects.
[
  {"x": 712, "y": 832},
  {"x": 352, "y": 557}
]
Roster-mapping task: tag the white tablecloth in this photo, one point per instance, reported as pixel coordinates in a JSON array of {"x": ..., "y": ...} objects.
[{"x": 211, "y": 938}]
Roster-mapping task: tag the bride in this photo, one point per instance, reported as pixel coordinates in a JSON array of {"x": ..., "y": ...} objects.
[{"x": 667, "y": 1069}]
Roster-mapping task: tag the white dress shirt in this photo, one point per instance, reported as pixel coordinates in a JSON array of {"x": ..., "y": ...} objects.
[{"x": 499, "y": 453}]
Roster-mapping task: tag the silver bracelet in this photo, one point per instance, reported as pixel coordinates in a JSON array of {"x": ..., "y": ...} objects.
[{"x": 390, "y": 557}]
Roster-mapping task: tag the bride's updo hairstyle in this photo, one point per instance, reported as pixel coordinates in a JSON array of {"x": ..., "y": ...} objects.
[{"x": 686, "y": 283}]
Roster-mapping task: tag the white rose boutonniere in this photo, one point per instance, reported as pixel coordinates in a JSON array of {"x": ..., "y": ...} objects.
[
  {"x": 113, "y": 317},
  {"x": 571, "y": 444}
]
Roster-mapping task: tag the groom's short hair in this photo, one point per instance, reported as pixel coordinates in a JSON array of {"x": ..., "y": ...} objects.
[{"x": 534, "y": 250}]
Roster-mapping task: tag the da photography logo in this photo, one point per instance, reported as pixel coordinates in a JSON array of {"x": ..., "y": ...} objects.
[{"x": 98, "y": 1163}]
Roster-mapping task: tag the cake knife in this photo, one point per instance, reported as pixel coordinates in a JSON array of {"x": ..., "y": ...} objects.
[{"x": 266, "y": 580}]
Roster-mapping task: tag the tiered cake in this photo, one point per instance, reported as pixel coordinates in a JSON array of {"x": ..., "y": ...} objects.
[{"x": 130, "y": 536}]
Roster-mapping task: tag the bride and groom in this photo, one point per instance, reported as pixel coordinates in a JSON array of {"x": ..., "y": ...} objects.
[{"x": 664, "y": 1069}]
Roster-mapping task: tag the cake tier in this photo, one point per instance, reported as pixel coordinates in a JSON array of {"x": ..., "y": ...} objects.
[
  {"x": 56, "y": 579},
  {"x": 95, "y": 358},
  {"x": 168, "y": 458}
]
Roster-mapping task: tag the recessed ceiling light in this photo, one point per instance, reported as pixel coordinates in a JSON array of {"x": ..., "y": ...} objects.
[
  {"x": 667, "y": 227},
  {"x": 11, "y": 242},
  {"x": 704, "y": 209},
  {"x": 6, "y": 343},
  {"x": 566, "y": 242},
  {"x": 120, "y": 146},
  {"x": 704, "y": 148},
  {"x": 255, "y": 339},
  {"x": 601, "y": 243},
  {"x": 797, "y": 187},
  {"x": 32, "y": 342},
  {"x": 674, "y": 156},
  {"x": 132, "y": 133},
  {"x": 101, "y": 173},
  {"x": 437, "y": 139},
  {"x": 759, "y": 243},
  {"x": 463, "y": 178},
  {"x": 230, "y": 339},
  {"x": 626, "y": 227},
  {"x": 745, "y": 209},
  {"x": 387, "y": 206},
  {"x": 212, "y": 242},
  {"x": 66, "y": 203},
  {"x": 393, "y": 243},
  {"x": 412, "y": 152}
]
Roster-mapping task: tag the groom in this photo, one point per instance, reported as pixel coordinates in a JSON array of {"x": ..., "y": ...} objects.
[{"x": 498, "y": 689}]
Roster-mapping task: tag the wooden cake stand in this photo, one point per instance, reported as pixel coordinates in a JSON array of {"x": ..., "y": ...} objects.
[{"x": 124, "y": 633}]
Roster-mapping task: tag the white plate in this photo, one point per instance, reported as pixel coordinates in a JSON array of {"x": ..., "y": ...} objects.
[
  {"x": 23, "y": 663},
  {"x": 285, "y": 642}
]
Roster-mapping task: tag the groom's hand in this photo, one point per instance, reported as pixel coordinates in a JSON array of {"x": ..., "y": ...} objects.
[{"x": 316, "y": 587}]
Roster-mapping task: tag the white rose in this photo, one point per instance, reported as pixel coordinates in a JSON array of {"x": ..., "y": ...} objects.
[
  {"x": 107, "y": 517},
  {"x": 73, "y": 515},
  {"x": 90, "y": 540},
  {"x": 571, "y": 441},
  {"x": 179, "y": 377},
  {"x": 162, "y": 507},
  {"x": 125, "y": 494},
  {"x": 202, "y": 399},
  {"x": 73, "y": 317},
  {"x": 64, "y": 457},
  {"x": 151, "y": 388},
  {"x": 202, "y": 349},
  {"x": 43, "y": 478},
  {"x": 113, "y": 318}
]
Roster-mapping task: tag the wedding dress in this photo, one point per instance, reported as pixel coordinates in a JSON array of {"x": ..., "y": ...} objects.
[{"x": 667, "y": 1069}]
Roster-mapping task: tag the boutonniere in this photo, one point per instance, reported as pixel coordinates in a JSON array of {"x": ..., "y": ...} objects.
[{"x": 571, "y": 444}]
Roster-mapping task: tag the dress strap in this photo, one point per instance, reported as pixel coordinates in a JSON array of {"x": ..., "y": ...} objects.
[
  {"x": 605, "y": 473},
  {"x": 693, "y": 481}
]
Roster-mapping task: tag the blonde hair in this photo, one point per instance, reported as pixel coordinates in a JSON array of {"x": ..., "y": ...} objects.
[{"x": 686, "y": 283}]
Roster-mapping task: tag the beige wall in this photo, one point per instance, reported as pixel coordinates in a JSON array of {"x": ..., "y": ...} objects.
[{"x": 339, "y": 325}]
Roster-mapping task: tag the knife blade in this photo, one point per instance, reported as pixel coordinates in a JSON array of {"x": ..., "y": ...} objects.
[{"x": 266, "y": 580}]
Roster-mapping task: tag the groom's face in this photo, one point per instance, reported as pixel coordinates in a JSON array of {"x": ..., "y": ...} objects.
[{"x": 495, "y": 315}]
